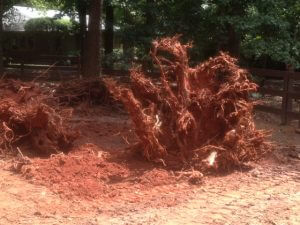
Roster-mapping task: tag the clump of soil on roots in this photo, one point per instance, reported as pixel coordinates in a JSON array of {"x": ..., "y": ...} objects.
[
  {"x": 26, "y": 119},
  {"x": 199, "y": 116}
]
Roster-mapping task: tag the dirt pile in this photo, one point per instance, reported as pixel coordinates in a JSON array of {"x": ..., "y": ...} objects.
[
  {"x": 200, "y": 116},
  {"x": 76, "y": 91},
  {"x": 87, "y": 172},
  {"x": 26, "y": 119}
]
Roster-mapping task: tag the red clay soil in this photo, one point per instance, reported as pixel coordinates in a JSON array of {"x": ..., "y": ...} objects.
[
  {"x": 207, "y": 116},
  {"x": 88, "y": 173}
]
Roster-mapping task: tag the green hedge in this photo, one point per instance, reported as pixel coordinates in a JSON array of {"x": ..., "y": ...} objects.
[{"x": 50, "y": 24}]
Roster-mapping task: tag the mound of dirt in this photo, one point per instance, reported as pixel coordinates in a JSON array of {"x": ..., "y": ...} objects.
[
  {"x": 200, "y": 116},
  {"x": 26, "y": 119},
  {"x": 87, "y": 173}
]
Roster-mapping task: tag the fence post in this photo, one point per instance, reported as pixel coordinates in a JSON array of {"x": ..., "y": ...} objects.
[
  {"x": 285, "y": 99},
  {"x": 78, "y": 61},
  {"x": 22, "y": 68}
]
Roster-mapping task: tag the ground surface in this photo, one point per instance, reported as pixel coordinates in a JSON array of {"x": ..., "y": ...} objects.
[{"x": 132, "y": 191}]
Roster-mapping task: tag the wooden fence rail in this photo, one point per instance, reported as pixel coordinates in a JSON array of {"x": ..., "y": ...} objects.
[
  {"x": 32, "y": 61},
  {"x": 288, "y": 92}
]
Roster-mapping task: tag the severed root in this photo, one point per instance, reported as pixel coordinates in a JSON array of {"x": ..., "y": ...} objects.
[{"x": 194, "y": 176}]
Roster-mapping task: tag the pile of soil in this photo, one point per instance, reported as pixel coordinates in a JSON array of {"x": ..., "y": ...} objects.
[
  {"x": 87, "y": 173},
  {"x": 26, "y": 119},
  {"x": 200, "y": 116}
]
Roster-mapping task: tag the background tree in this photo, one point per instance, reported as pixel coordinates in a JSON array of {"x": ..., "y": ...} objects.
[
  {"x": 1, "y": 34},
  {"x": 109, "y": 27},
  {"x": 263, "y": 33},
  {"x": 92, "y": 66},
  {"x": 5, "y": 5},
  {"x": 90, "y": 34}
]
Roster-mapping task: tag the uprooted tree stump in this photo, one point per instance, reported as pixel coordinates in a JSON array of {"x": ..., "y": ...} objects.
[
  {"x": 199, "y": 115},
  {"x": 26, "y": 119}
]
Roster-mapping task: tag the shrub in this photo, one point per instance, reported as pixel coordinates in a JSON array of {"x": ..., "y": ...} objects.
[{"x": 50, "y": 24}]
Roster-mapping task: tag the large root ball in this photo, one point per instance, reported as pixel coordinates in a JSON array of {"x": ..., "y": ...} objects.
[{"x": 200, "y": 115}]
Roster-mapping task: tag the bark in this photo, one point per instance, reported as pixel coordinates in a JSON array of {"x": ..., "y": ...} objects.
[
  {"x": 109, "y": 29},
  {"x": 83, "y": 24},
  {"x": 234, "y": 42},
  {"x": 150, "y": 16},
  {"x": 127, "y": 43},
  {"x": 291, "y": 69},
  {"x": 92, "y": 66},
  {"x": 1, "y": 34}
]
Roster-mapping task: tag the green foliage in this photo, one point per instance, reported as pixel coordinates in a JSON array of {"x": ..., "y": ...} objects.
[
  {"x": 272, "y": 30},
  {"x": 49, "y": 24},
  {"x": 260, "y": 29},
  {"x": 41, "y": 4},
  {"x": 39, "y": 24},
  {"x": 64, "y": 25},
  {"x": 119, "y": 60}
]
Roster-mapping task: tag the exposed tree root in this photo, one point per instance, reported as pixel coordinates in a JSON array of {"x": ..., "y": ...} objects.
[
  {"x": 76, "y": 91},
  {"x": 200, "y": 115},
  {"x": 25, "y": 118}
]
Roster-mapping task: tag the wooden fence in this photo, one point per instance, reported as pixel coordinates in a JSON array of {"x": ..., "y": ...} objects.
[
  {"x": 288, "y": 92},
  {"x": 31, "y": 61}
]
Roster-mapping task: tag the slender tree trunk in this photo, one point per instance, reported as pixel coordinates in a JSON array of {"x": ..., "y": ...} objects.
[
  {"x": 92, "y": 66},
  {"x": 109, "y": 29},
  {"x": 234, "y": 42},
  {"x": 1, "y": 34},
  {"x": 127, "y": 43},
  {"x": 291, "y": 69},
  {"x": 82, "y": 32},
  {"x": 150, "y": 16}
]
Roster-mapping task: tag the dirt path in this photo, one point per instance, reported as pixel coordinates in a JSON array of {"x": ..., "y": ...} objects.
[
  {"x": 268, "y": 194},
  {"x": 260, "y": 197},
  {"x": 265, "y": 195}
]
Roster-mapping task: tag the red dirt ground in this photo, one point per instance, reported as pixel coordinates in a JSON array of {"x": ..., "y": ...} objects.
[
  {"x": 87, "y": 173},
  {"x": 103, "y": 183},
  {"x": 101, "y": 169}
]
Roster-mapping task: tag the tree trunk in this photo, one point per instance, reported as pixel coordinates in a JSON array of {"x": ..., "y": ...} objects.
[
  {"x": 149, "y": 16},
  {"x": 82, "y": 32},
  {"x": 92, "y": 66},
  {"x": 109, "y": 29},
  {"x": 234, "y": 42},
  {"x": 291, "y": 69},
  {"x": 127, "y": 43},
  {"x": 1, "y": 34}
]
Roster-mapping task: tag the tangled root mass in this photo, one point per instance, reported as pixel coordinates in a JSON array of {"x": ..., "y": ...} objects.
[
  {"x": 27, "y": 119},
  {"x": 200, "y": 115}
]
